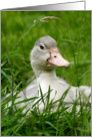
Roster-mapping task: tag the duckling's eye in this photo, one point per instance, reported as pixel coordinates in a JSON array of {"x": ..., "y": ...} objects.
[{"x": 42, "y": 47}]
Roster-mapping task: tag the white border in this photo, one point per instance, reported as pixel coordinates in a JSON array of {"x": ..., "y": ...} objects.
[{"x": 4, "y": 4}]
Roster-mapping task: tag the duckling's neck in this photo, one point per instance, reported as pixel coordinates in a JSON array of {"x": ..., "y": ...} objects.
[
  {"x": 46, "y": 75},
  {"x": 46, "y": 79}
]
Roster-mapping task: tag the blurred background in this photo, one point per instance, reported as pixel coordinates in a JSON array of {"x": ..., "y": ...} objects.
[{"x": 20, "y": 30}]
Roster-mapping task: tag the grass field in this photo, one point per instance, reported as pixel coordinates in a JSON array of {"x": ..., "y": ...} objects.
[{"x": 19, "y": 31}]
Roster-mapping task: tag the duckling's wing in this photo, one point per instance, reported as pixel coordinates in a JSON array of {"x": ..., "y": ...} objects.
[
  {"x": 63, "y": 82},
  {"x": 76, "y": 91},
  {"x": 30, "y": 91}
]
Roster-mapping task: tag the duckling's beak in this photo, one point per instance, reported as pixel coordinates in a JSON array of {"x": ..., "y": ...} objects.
[{"x": 57, "y": 59}]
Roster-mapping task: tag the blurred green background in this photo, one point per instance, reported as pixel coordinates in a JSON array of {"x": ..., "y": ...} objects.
[{"x": 20, "y": 30}]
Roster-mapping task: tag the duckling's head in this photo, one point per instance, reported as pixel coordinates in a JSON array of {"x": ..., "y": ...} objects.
[{"x": 45, "y": 55}]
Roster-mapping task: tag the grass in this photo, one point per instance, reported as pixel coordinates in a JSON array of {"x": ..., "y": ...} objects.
[{"x": 19, "y": 31}]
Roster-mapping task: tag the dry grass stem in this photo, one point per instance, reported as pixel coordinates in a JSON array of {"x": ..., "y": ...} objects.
[{"x": 48, "y": 17}]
